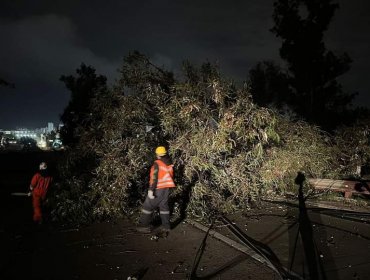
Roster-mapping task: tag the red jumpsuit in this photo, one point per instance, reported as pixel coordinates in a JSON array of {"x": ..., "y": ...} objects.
[{"x": 40, "y": 185}]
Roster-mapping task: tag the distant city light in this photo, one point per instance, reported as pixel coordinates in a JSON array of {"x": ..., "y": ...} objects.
[{"x": 45, "y": 137}]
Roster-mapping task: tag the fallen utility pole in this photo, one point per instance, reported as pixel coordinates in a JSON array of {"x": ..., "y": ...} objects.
[
  {"x": 248, "y": 249},
  {"x": 230, "y": 242},
  {"x": 264, "y": 251},
  {"x": 240, "y": 247}
]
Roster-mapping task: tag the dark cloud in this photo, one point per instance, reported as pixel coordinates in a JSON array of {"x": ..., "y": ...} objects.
[
  {"x": 38, "y": 50},
  {"x": 45, "y": 39},
  {"x": 349, "y": 33}
]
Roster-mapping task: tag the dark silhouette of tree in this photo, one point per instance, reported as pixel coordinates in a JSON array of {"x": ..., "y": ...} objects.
[
  {"x": 139, "y": 76},
  {"x": 205, "y": 73},
  {"x": 83, "y": 87},
  {"x": 313, "y": 69},
  {"x": 137, "y": 72},
  {"x": 269, "y": 85}
]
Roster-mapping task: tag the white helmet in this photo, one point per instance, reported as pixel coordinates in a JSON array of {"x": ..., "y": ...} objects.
[{"x": 43, "y": 166}]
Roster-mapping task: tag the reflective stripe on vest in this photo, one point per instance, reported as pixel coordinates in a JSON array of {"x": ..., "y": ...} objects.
[{"x": 165, "y": 175}]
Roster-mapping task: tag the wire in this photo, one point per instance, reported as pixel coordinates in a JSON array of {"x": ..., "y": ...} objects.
[{"x": 199, "y": 253}]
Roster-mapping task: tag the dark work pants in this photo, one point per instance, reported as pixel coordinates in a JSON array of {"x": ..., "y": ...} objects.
[{"x": 160, "y": 201}]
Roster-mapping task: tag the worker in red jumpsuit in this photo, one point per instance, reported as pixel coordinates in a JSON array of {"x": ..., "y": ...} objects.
[{"x": 39, "y": 186}]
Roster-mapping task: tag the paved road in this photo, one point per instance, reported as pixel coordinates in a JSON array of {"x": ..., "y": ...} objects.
[
  {"x": 109, "y": 250},
  {"x": 314, "y": 242}
]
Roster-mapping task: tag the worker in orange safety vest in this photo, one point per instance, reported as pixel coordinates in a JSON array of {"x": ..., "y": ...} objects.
[
  {"x": 160, "y": 183},
  {"x": 39, "y": 186}
]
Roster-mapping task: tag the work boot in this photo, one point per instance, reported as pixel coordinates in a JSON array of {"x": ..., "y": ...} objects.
[
  {"x": 164, "y": 229},
  {"x": 144, "y": 229}
]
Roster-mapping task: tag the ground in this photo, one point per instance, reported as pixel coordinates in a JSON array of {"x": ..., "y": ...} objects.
[{"x": 326, "y": 241}]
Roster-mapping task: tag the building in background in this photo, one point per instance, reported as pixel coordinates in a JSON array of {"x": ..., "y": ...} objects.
[
  {"x": 50, "y": 127},
  {"x": 44, "y": 137}
]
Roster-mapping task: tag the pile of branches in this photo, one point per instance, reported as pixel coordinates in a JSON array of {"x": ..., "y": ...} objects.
[
  {"x": 303, "y": 148},
  {"x": 352, "y": 148},
  {"x": 227, "y": 151}
]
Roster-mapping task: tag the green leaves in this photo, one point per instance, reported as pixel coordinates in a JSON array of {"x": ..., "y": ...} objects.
[{"x": 227, "y": 151}]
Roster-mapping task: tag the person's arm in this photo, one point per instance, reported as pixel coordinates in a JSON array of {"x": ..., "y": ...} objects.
[
  {"x": 153, "y": 186},
  {"x": 34, "y": 181}
]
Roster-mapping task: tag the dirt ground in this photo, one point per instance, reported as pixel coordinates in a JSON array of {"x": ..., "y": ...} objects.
[{"x": 313, "y": 241}]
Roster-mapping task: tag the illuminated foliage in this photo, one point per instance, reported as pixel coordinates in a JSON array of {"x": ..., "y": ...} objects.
[{"x": 227, "y": 151}]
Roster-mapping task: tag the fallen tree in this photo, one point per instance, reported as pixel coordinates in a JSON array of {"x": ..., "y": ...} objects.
[{"x": 227, "y": 151}]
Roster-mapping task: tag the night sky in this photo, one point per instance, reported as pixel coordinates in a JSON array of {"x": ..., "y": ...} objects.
[{"x": 41, "y": 40}]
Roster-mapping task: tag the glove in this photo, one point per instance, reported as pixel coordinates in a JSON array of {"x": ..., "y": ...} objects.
[{"x": 151, "y": 194}]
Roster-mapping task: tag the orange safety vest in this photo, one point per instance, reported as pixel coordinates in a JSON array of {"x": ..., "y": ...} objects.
[{"x": 165, "y": 175}]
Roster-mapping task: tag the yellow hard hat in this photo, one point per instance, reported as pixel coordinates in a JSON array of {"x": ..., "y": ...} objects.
[{"x": 160, "y": 151}]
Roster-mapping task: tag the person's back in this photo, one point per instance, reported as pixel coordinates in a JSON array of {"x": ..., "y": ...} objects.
[
  {"x": 160, "y": 183},
  {"x": 41, "y": 182},
  {"x": 39, "y": 186}
]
